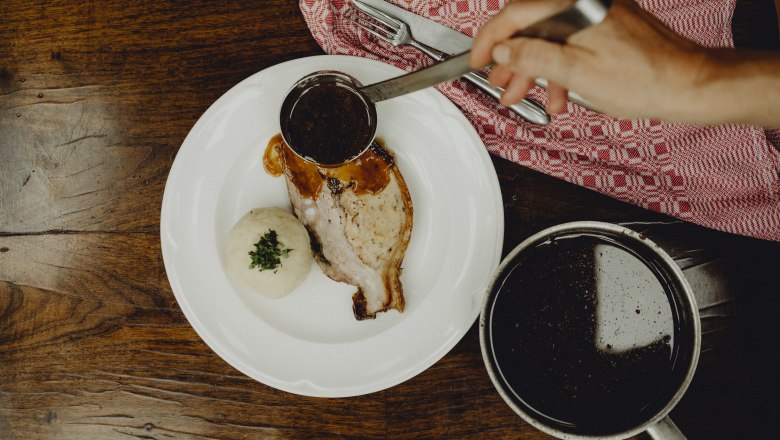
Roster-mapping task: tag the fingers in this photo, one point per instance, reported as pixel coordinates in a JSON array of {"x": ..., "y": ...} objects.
[
  {"x": 515, "y": 87},
  {"x": 556, "y": 98},
  {"x": 515, "y": 16},
  {"x": 521, "y": 60},
  {"x": 534, "y": 58},
  {"x": 516, "y": 90},
  {"x": 499, "y": 76}
]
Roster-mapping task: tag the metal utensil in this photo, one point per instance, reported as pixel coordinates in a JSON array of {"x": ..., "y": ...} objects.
[
  {"x": 394, "y": 31},
  {"x": 447, "y": 40}
]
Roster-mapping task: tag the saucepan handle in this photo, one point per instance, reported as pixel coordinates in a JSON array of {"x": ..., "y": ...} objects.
[{"x": 665, "y": 429}]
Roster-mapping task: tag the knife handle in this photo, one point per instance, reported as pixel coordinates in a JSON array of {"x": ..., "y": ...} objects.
[{"x": 527, "y": 109}]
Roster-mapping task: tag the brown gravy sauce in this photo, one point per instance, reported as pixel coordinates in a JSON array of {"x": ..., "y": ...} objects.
[
  {"x": 330, "y": 123},
  {"x": 369, "y": 173}
]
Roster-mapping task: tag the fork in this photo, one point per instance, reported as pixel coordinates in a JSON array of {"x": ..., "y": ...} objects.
[{"x": 396, "y": 32}]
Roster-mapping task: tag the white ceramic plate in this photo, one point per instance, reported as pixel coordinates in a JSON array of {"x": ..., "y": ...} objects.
[{"x": 308, "y": 342}]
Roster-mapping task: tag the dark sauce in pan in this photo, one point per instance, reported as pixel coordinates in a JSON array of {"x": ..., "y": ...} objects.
[
  {"x": 583, "y": 334},
  {"x": 330, "y": 123}
]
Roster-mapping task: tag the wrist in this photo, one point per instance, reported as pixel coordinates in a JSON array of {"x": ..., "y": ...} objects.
[
  {"x": 731, "y": 86},
  {"x": 696, "y": 94}
]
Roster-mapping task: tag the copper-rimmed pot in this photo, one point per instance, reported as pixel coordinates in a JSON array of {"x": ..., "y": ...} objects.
[
  {"x": 348, "y": 113},
  {"x": 646, "y": 257}
]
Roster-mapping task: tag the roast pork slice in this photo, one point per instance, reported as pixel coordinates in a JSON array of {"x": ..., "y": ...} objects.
[{"x": 359, "y": 228}]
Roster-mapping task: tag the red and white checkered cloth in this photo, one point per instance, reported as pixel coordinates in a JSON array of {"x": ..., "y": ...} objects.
[{"x": 725, "y": 177}]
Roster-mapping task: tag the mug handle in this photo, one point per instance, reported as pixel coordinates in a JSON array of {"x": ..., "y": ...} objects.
[{"x": 665, "y": 429}]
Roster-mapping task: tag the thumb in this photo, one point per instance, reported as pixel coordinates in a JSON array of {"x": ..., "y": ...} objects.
[
  {"x": 535, "y": 58},
  {"x": 515, "y": 15}
]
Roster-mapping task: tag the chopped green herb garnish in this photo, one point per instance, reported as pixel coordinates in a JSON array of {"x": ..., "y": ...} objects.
[{"x": 268, "y": 252}]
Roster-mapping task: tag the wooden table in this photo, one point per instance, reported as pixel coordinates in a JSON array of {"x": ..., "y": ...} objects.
[{"x": 95, "y": 99}]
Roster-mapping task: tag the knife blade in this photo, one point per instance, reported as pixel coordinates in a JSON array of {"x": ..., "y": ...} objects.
[{"x": 446, "y": 39}]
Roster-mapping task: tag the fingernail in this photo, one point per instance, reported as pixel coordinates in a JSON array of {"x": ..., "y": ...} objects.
[{"x": 501, "y": 54}]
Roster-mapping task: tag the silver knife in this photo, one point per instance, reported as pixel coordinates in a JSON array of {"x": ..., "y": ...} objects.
[{"x": 446, "y": 39}]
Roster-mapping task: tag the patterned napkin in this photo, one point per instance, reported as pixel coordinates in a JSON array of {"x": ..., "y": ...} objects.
[{"x": 724, "y": 177}]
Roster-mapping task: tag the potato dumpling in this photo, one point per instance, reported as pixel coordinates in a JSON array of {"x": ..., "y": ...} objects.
[{"x": 269, "y": 251}]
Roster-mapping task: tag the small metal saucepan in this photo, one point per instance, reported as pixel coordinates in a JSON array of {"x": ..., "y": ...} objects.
[
  {"x": 637, "y": 306},
  {"x": 327, "y": 119}
]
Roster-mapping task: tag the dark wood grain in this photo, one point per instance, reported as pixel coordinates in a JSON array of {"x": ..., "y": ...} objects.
[{"x": 95, "y": 99}]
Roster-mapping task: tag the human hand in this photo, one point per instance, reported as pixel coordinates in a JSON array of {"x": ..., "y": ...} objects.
[{"x": 629, "y": 65}]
